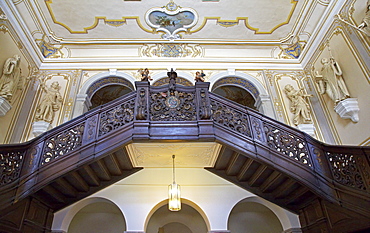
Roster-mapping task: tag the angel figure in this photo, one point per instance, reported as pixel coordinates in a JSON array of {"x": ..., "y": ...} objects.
[
  {"x": 199, "y": 76},
  {"x": 145, "y": 75},
  {"x": 299, "y": 105}
]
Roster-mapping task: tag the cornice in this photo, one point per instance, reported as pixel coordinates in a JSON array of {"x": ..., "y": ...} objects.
[{"x": 22, "y": 31}]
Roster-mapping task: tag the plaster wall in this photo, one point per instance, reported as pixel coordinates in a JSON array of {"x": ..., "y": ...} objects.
[{"x": 137, "y": 195}]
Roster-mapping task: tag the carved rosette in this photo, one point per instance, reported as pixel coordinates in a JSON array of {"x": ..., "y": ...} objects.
[
  {"x": 10, "y": 166},
  {"x": 288, "y": 144},
  {"x": 116, "y": 117},
  {"x": 62, "y": 143},
  {"x": 174, "y": 106},
  {"x": 345, "y": 170},
  {"x": 230, "y": 118}
]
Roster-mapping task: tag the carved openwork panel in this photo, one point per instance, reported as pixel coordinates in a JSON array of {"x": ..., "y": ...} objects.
[
  {"x": 287, "y": 143},
  {"x": 172, "y": 106},
  {"x": 10, "y": 166},
  {"x": 345, "y": 170},
  {"x": 62, "y": 143},
  {"x": 117, "y": 117},
  {"x": 230, "y": 118}
]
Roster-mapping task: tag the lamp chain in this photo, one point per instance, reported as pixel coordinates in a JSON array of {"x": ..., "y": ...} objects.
[{"x": 173, "y": 168}]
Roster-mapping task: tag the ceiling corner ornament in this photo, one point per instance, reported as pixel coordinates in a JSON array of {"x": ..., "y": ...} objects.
[
  {"x": 291, "y": 50},
  {"x": 49, "y": 50},
  {"x": 171, "y": 19}
]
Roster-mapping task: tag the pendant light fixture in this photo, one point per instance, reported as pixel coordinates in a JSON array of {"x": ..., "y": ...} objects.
[{"x": 174, "y": 198}]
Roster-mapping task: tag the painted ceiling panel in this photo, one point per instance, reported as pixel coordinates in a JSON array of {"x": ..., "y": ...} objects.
[{"x": 118, "y": 19}]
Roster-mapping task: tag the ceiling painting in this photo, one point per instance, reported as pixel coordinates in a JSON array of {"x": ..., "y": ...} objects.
[
  {"x": 171, "y": 20},
  {"x": 69, "y": 19}
]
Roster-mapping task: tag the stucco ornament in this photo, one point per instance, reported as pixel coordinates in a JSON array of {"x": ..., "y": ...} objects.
[
  {"x": 365, "y": 24},
  {"x": 50, "y": 103},
  {"x": 11, "y": 78}
]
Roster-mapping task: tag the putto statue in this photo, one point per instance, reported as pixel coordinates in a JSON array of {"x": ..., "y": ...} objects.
[
  {"x": 299, "y": 105},
  {"x": 145, "y": 75},
  {"x": 50, "y": 103},
  {"x": 199, "y": 76},
  {"x": 11, "y": 78},
  {"x": 365, "y": 24},
  {"x": 331, "y": 81}
]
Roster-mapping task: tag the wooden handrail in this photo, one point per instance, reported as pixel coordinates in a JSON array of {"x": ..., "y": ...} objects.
[{"x": 154, "y": 112}]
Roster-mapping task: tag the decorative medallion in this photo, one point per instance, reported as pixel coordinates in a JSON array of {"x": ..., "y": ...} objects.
[
  {"x": 172, "y": 102},
  {"x": 171, "y": 19}
]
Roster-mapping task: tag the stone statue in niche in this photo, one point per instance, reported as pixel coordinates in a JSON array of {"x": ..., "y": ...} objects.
[
  {"x": 299, "y": 105},
  {"x": 199, "y": 76},
  {"x": 365, "y": 24},
  {"x": 144, "y": 75},
  {"x": 331, "y": 81},
  {"x": 11, "y": 78},
  {"x": 50, "y": 103}
]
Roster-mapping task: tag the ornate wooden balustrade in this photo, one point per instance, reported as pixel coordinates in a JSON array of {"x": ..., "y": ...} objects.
[{"x": 264, "y": 156}]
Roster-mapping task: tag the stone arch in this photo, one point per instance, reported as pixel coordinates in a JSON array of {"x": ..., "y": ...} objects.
[
  {"x": 65, "y": 218},
  {"x": 96, "y": 82},
  {"x": 184, "y": 202},
  {"x": 248, "y": 83},
  {"x": 289, "y": 221}
]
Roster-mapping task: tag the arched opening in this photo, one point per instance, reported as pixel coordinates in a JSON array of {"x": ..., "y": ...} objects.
[
  {"x": 174, "y": 227},
  {"x": 247, "y": 216},
  {"x": 238, "y": 90},
  {"x": 237, "y": 94},
  {"x": 166, "y": 80},
  {"x": 108, "y": 93},
  {"x": 187, "y": 220},
  {"x": 98, "y": 217}
]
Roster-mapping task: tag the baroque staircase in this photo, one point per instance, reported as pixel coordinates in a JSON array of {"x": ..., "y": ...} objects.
[{"x": 328, "y": 186}]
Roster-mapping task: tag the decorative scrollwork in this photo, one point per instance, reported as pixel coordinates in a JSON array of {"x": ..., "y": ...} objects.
[
  {"x": 10, "y": 166},
  {"x": 257, "y": 129},
  {"x": 288, "y": 144},
  {"x": 62, "y": 143},
  {"x": 345, "y": 170},
  {"x": 91, "y": 125},
  {"x": 117, "y": 117},
  {"x": 204, "y": 109},
  {"x": 142, "y": 112},
  {"x": 173, "y": 106},
  {"x": 230, "y": 118}
]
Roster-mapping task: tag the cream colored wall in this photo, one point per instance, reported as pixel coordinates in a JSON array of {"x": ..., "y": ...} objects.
[
  {"x": 138, "y": 195},
  {"x": 348, "y": 48},
  {"x": 11, "y": 45},
  {"x": 270, "y": 84}
]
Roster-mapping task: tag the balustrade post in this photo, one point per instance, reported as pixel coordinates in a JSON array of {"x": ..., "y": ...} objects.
[
  {"x": 141, "y": 111},
  {"x": 29, "y": 174},
  {"x": 203, "y": 106},
  {"x": 90, "y": 135}
]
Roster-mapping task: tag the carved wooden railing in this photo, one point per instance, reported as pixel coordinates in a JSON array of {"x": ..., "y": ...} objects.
[{"x": 174, "y": 112}]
